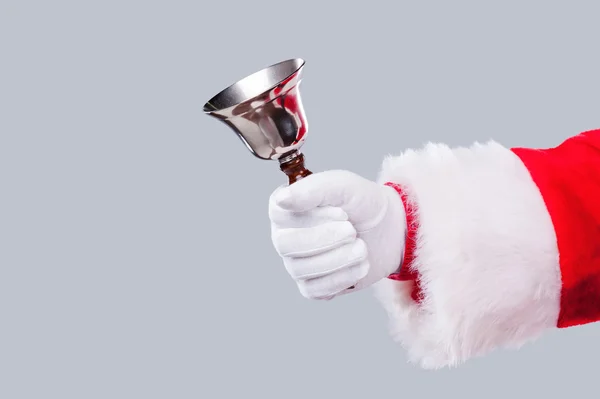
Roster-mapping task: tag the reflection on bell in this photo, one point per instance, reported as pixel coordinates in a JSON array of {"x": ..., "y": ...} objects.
[{"x": 265, "y": 111}]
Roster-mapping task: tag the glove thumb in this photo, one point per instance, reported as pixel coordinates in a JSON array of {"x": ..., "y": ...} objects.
[{"x": 360, "y": 198}]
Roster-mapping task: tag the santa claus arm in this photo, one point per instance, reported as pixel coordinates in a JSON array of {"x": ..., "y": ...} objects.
[{"x": 502, "y": 245}]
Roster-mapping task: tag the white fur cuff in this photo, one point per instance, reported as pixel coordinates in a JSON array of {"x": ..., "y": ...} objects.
[{"x": 486, "y": 255}]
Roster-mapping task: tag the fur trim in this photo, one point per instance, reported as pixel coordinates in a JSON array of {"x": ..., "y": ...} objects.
[{"x": 486, "y": 255}]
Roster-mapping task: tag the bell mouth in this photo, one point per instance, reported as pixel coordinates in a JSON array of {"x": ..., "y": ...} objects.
[{"x": 253, "y": 85}]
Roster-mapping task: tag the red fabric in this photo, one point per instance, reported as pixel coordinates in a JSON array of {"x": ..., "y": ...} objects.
[
  {"x": 568, "y": 177},
  {"x": 406, "y": 272}
]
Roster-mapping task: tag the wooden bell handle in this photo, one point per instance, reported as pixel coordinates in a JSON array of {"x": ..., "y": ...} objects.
[{"x": 295, "y": 170}]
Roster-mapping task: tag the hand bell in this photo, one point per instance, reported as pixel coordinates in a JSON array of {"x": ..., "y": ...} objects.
[{"x": 265, "y": 111}]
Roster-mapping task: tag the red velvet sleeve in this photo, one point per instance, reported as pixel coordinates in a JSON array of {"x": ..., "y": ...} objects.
[{"x": 568, "y": 177}]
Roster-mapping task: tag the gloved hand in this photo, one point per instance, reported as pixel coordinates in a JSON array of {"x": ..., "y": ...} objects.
[{"x": 335, "y": 230}]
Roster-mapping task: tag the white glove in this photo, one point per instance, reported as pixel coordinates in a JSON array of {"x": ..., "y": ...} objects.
[{"x": 335, "y": 230}]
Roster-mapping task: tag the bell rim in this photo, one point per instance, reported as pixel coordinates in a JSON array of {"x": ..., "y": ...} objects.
[{"x": 208, "y": 108}]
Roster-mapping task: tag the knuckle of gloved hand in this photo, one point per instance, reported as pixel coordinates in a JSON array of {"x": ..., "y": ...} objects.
[
  {"x": 329, "y": 262},
  {"x": 279, "y": 217},
  {"x": 278, "y": 237},
  {"x": 327, "y": 275},
  {"x": 310, "y": 292},
  {"x": 327, "y": 286},
  {"x": 312, "y": 267},
  {"x": 283, "y": 219},
  {"x": 305, "y": 242}
]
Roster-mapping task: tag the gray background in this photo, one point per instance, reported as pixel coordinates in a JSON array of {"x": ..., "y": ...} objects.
[{"x": 135, "y": 257}]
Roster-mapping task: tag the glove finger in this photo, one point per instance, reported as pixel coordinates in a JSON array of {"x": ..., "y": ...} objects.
[
  {"x": 329, "y": 262},
  {"x": 328, "y": 286},
  {"x": 303, "y": 242},
  {"x": 287, "y": 219}
]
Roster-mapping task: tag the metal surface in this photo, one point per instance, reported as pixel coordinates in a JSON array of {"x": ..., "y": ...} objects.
[{"x": 265, "y": 110}]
